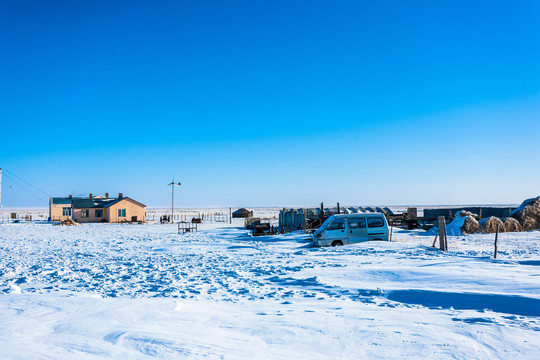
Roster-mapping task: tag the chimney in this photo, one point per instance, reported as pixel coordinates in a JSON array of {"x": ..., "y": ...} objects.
[
  {"x": 90, "y": 196},
  {"x": 107, "y": 195},
  {"x": 120, "y": 195},
  {"x": 70, "y": 196}
]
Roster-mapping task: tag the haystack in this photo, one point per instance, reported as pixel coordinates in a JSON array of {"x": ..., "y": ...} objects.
[
  {"x": 530, "y": 224},
  {"x": 511, "y": 225},
  {"x": 490, "y": 225},
  {"x": 528, "y": 214},
  {"x": 470, "y": 225}
]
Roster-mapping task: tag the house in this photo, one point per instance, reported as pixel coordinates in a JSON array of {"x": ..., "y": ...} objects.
[{"x": 96, "y": 209}]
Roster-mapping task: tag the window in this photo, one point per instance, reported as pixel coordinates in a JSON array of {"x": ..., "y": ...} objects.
[
  {"x": 99, "y": 213},
  {"x": 337, "y": 224},
  {"x": 121, "y": 212},
  {"x": 357, "y": 223},
  {"x": 85, "y": 213},
  {"x": 375, "y": 222},
  {"x": 66, "y": 211}
]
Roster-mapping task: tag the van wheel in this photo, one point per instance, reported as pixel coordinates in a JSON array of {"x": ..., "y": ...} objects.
[{"x": 337, "y": 243}]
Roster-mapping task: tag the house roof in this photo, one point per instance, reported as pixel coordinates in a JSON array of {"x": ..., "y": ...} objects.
[
  {"x": 61, "y": 201},
  {"x": 242, "y": 211},
  {"x": 124, "y": 198},
  {"x": 93, "y": 202}
]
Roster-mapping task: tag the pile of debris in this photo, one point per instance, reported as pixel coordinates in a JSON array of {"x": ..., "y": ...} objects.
[{"x": 68, "y": 222}]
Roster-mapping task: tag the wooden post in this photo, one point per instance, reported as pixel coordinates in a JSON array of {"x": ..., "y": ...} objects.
[
  {"x": 435, "y": 240},
  {"x": 443, "y": 245},
  {"x": 391, "y": 231},
  {"x": 445, "y": 237},
  {"x": 338, "y": 209},
  {"x": 496, "y": 237},
  {"x": 322, "y": 213}
]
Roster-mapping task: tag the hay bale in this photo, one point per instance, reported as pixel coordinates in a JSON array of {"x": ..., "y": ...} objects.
[
  {"x": 490, "y": 225},
  {"x": 470, "y": 225},
  {"x": 528, "y": 214},
  {"x": 529, "y": 224},
  {"x": 511, "y": 225},
  {"x": 531, "y": 217}
]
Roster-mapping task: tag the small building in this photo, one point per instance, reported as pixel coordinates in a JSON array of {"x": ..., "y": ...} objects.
[
  {"x": 242, "y": 213},
  {"x": 96, "y": 209}
]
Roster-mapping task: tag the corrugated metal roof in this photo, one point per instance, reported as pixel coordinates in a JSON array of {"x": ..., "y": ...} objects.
[
  {"x": 97, "y": 202},
  {"x": 124, "y": 198},
  {"x": 92, "y": 203},
  {"x": 61, "y": 201},
  {"x": 114, "y": 202}
]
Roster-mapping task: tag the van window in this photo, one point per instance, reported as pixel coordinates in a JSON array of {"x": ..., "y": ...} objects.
[
  {"x": 375, "y": 222},
  {"x": 337, "y": 224},
  {"x": 357, "y": 223}
]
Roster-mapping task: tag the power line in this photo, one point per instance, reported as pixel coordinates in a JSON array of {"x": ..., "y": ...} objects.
[
  {"x": 29, "y": 192},
  {"x": 26, "y": 182}
]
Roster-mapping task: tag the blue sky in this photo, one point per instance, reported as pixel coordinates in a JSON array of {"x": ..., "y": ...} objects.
[{"x": 271, "y": 103}]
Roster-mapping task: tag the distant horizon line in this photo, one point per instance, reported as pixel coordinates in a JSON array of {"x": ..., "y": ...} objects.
[{"x": 2, "y": 209}]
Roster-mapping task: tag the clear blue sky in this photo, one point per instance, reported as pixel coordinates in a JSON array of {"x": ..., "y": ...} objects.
[{"x": 252, "y": 103}]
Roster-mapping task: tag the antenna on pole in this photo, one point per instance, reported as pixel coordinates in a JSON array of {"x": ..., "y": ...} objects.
[{"x": 173, "y": 184}]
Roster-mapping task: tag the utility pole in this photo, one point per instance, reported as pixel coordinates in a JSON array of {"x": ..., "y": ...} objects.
[{"x": 173, "y": 184}]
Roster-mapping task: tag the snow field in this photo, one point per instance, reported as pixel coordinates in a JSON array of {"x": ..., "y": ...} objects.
[{"x": 144, "y": 291}]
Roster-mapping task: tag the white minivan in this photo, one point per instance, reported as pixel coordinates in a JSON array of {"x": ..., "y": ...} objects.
[{"x": 351, "y": 228}]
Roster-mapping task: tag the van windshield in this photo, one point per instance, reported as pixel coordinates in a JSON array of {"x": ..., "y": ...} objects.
[
  {"x": 324, "y": 225},
  {"x": 337, "y": 224}
]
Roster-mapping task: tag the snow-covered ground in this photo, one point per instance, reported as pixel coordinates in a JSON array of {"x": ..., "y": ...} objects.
[{"x": 144, "y": 291}]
